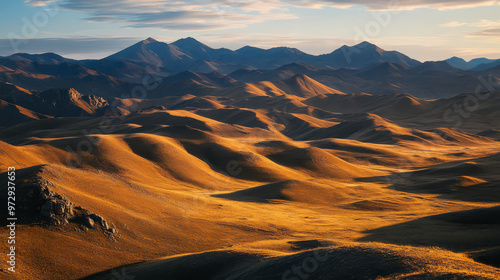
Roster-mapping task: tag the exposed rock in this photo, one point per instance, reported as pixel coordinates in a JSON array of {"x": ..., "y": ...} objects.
[
  {"x": 38, "y": 203},
  {"x": 57, "y": 210},
  {"x": 100, "y": 220},
  {"x": 89, "y": 223}
]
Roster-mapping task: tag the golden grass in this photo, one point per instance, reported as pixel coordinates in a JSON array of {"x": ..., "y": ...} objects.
[{"x": 169, "y": 193}]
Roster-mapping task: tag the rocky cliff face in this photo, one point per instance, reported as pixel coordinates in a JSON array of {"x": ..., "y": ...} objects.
[{"x": 39, "y": 203}]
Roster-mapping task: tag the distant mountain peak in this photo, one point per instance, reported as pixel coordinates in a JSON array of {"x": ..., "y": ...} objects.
[
  {"x": 149, "y": 40},
  {"x": 188, "y": 39},
  {"x": 51, "y": 54},
  {"x": 366, "y": 44},
  {"x": 436, "y": 65},
  {"x": 247, "y": 47},
  {"x": 283, "y": 48},
  {"x": 363, "y": 46},
  {"x": 188, "y": 42},
  {"x": 287, "y": 50}
]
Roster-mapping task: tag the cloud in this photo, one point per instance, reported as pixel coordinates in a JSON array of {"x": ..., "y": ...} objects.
[
  {"x": 481, "y": 23},
  {"x": 39, "y": 3},
  {"x": 196, "y": 20},
  {"x": 491, "y": 28},
  {"x": 225, "y": 14},
  {"x": 487, "y": 23},
  {"x": 492, "y": 53},
  {"x": 490, "y": 32},
  {"x": 453, "y": 24},
  {"x": 397, "y": 4},
  {"x": 177, "y": 15}
]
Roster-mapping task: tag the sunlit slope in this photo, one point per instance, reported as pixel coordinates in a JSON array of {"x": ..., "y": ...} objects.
[{"x": 160, "y": 182}]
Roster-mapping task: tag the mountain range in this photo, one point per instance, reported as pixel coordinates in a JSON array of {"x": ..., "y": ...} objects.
[
  {"x": 360, "y": 68},
  {"x": 477, "y": 64}
]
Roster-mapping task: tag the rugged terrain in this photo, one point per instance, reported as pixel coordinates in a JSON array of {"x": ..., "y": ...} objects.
[{"x": 212, "y": 177}]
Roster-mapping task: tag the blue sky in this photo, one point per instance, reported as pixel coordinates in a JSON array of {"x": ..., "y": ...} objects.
[{"x": 424, "y": 30}]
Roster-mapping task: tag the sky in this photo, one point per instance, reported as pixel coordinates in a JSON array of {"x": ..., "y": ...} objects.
[{"x": 424, "y": 30}]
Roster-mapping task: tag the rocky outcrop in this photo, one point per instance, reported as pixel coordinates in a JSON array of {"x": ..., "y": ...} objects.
[{"x": 39, "y": 204}]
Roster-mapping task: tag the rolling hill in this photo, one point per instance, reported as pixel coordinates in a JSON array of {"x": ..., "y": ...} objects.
[{"x": 292, "y": 166}]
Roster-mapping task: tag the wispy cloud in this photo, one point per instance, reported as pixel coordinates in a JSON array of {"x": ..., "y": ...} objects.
[
  {"x": 481, "y": 23},
  {"x": 491, "y": 28},
  {"x": 453, "y": 24},
  {"x": 220, "y": 14},
  {"x": 178, "y": 15},
  {"x": 493, "y": 53},
  {"x": 397, "y": 4},
  {"x": 489, "y": 32}
]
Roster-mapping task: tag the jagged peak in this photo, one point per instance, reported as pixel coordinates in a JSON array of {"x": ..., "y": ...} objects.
[
  {"x": 365, "y": 44},
  {"x": 149, "y": 40}
]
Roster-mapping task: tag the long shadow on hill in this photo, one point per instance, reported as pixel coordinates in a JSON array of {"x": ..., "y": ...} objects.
[
  {"x": 338, "y": 262},
  {"x": 473, "y": 180},
  {"x": 472, "y": 230},
  {"x": 286, "y": 191},
  {"x": 261, "y": 194}
]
